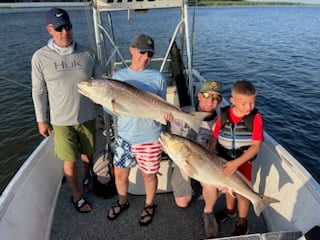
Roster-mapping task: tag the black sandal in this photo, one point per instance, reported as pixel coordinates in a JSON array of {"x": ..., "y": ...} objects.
[
  {"x": 80, "y": 203},
  {"x": 147, "y": 213},
  {"x": 121, "y": 207}
]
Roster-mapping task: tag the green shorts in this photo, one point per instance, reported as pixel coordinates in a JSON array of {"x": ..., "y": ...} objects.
[{"x": 71, "y": 141}]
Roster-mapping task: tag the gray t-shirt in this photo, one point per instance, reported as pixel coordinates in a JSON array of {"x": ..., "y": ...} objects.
[
  {"x": 204, "y": 135},
  {"x": 54, "y": 79}
]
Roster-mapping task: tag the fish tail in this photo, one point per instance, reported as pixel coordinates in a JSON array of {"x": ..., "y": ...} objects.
[
  {"x": 265, "y": 201},
  {"x": 195, "y": 121}
]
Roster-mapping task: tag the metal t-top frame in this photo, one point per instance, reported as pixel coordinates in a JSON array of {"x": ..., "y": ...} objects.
[{"x": 102, "y": 36}]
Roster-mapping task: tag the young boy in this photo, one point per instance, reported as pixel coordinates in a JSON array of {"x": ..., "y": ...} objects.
[{"x": 238, "y": 135}]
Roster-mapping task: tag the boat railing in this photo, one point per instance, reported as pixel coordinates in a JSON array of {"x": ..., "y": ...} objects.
[
  {"x": 181, "y": 31},
  {"x": 115, "y": 50},
  {"x": 118, "y": 5}
]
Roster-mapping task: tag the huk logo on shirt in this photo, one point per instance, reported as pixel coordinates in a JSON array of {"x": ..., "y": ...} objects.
[{"x": 67, "y": 65}]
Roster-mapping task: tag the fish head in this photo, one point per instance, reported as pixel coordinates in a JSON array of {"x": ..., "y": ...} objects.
[
  {"x": 169, "y": 142},
  {"x": 180, "y": 151},
  {"x": 83, "y": 87},
  {"x": 99, "y": 91},
  {"x": 174, "y": 146}
]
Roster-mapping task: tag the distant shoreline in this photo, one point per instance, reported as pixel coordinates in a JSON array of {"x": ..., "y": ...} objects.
[
  {"x": 249, "y": 3},
  {"x": 8, "y": 5}
]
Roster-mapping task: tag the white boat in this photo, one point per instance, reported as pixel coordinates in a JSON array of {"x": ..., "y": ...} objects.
[{"x": 28, "y": 203}]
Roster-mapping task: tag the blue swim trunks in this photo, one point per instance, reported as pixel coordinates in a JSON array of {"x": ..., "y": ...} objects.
[{"x": 123, "y": 156}]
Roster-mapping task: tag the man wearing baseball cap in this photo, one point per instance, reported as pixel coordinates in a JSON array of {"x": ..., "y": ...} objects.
[
  {"x": 137, "y": 142},
  {"x": 57, "y": 68},
  {"x": 209, "y": 97},
  {"x": 143, "y": 43},
  {"x": 58, "y": 17},
  {"x": 59, "y": 27}
]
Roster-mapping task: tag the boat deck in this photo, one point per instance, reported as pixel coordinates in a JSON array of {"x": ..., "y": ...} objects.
[{"x": 169, "y": 222}]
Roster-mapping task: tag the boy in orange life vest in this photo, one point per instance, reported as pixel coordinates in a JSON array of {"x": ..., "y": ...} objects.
[{"x": 238, "y": 140}]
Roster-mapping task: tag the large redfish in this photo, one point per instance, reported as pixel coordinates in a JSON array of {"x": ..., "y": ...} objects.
[
  {"x": 197, "y": 162},
  {"x": 124, "y": 99}
]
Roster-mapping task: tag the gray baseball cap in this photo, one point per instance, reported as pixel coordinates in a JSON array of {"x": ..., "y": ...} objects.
[{"x": 143, "y": 42}]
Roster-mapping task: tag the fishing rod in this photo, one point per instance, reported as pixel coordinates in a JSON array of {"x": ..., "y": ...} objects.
[{"x": 16, "y": 82}]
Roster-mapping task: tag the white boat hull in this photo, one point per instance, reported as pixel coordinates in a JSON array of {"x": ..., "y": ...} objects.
[
  {"x": 278, "y": 174},
  {"x": 27, "y": 204}
]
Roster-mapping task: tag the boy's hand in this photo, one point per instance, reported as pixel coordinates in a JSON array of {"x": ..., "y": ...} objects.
[{"x": 229, "y": 168}]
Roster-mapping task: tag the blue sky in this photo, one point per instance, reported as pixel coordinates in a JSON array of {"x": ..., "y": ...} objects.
[{"x": 299, "y": 1}]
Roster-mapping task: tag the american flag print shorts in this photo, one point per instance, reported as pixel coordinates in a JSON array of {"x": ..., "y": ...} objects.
[{"x": 146, "y": 155}]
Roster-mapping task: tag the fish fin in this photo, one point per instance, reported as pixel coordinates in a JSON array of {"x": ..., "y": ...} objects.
[
  {"x": 232, "y": 193},
  {"x": 161, "y": 120},
  {"x": 263, "y": 203},
  {"x": 184, "y": 175},
  {"x": 195, "y": 120},
  {"x": 117, "y": 109},
  {"x": 188, "y": 170},
  {"x": 109, "y": 111},
  {"x": 113, "y": 104},
  {"x": 162, "y": 100},
  {"x": 109, "y": 106}
]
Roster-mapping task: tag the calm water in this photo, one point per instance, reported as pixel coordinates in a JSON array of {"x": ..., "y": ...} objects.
[{"x": 277, "y": 48}]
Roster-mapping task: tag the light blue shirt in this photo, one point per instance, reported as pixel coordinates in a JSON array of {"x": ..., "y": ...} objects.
[{"x": 138, "y": 130}]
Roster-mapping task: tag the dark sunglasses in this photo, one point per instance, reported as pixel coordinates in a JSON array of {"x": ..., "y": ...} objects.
[
  {"x": 150, "y": 54},
  {"x": 214, "y": 97},
  {"x": 67, "y": 27}
]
